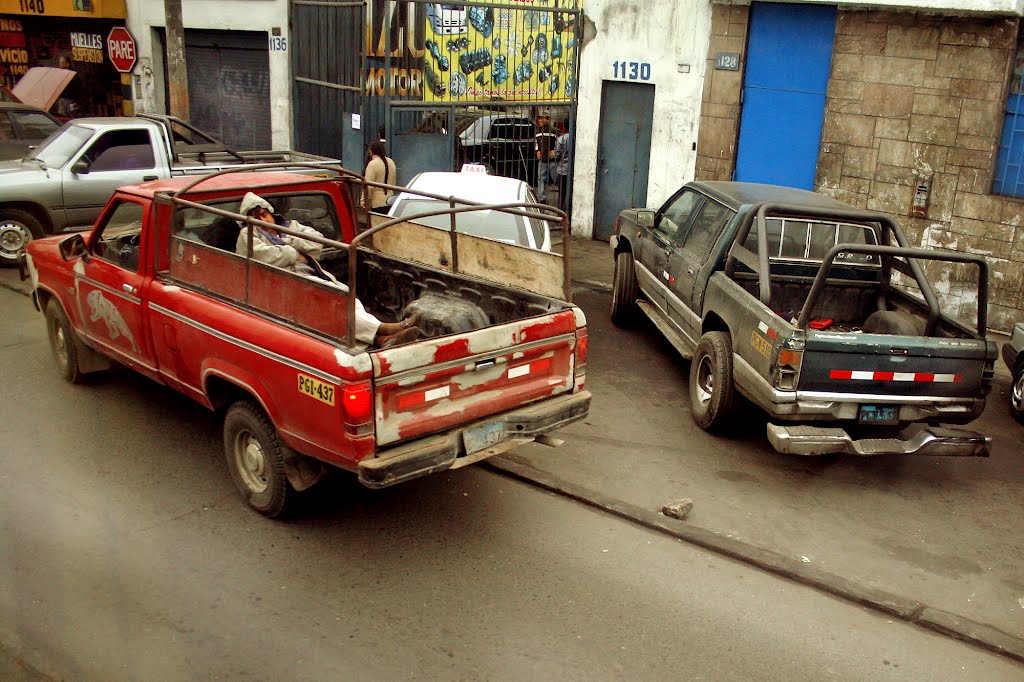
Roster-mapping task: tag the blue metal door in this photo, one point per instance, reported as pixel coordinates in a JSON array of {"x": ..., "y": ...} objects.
[
  {"x": 623, "y": 152},
  {"x": 789, "y": 56}
]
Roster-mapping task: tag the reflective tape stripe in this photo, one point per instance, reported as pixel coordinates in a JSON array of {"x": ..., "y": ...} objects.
[{"x": 917, "y": 377}]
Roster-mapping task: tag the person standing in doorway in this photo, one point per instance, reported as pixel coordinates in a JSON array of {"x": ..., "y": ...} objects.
[
  {"x": 544, "y": 145},
  {"x": 380, "y": 169},
  {"x": 563, "y": 152}
]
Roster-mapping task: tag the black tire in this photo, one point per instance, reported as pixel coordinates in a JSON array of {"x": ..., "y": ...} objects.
[
  {"x": 254, "y": 457},
  {"x": 624, "y": 289},
  {"x": 63, "y": 343},
  {"x": 1017, "y": 394},
  {"x": 17, "y": 229},
  {"x": 712, "y": 394}
]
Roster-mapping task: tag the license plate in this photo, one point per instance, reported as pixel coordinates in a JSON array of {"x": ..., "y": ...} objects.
[
  {"x": 481, "y": 437},
  {"x": 879, "y": 414}
]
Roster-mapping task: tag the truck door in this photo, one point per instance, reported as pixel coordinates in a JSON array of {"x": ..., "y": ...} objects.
[
  {"x": 689, "y": 253},
  {"x": 108, "y": 287},
  {"x": 670, "y": 222},
  {"x": 113, "y": 159}
]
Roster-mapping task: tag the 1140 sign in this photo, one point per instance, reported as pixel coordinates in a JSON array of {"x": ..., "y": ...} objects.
[{"x": 32, "y": 6}]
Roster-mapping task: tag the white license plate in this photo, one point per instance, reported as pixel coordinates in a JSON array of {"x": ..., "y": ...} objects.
[{"x": 482, "y": 437}]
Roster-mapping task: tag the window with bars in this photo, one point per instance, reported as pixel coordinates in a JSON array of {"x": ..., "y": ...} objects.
[{"x": 1009, "y": 178}]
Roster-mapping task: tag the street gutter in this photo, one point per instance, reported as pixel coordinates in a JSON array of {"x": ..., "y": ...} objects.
[{"x": 911, "y": 611}]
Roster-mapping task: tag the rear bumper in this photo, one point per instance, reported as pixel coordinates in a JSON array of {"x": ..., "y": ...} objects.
[
  {"x": 933, "y": 440},
  {"x": 448, "y": 451}
]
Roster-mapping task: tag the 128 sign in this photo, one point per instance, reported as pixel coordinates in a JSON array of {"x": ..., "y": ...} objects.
[{"x": 633, "y": 71}]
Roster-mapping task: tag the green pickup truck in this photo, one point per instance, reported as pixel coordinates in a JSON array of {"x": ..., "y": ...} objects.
[{"x": 820, "y": 314}]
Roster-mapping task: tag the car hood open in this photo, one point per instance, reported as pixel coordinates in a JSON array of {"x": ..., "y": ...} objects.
[{"x": 42, "y": 85}]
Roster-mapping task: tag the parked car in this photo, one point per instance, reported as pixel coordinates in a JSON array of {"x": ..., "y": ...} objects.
[
  {"x": 1013, "y": 356},
  {"x": 481, "y": 188},
  {"x": 22, "y": 127},
  {"x": 787, "y": 298}
]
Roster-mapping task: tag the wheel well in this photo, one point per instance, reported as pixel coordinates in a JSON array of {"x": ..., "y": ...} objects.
[
  {"x": 714, "y": 323},
  {"x": 42, "y": 298},
  {"x": 223, "y": 393},
  {"x": 37, "y": 211},
  {"x": 623, "y": 246}
]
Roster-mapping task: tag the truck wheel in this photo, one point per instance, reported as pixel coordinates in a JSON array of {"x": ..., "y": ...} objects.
[
  {"x": 254, "y": 458},
  {"x": 712, "y": 395},
  {"x": 62, "y": 343},
  {"x": 624, "y": 289},
  {"x": 17, "y": 229},
  {"x": 1017, "y": 394}
]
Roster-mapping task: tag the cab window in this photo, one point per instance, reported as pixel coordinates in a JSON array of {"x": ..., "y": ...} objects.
[
  {"x": 120, "y": 150},
  {"x": 676, "y": 213},
  {"x": 707, "y": 225},
  {"x": 119, "y": 238}
]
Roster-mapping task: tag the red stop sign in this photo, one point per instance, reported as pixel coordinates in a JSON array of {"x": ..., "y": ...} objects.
[{"x": 121, "y": 49}]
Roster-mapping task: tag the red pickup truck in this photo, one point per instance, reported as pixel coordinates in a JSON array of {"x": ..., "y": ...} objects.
[{"x": 157, "y": 286}]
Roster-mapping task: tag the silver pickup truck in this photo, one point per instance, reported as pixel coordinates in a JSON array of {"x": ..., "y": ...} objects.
[{"x": 68, "y": 179}]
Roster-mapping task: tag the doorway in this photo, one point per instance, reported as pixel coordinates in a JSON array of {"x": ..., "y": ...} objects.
[
  {"x": 789, "y": 58},
  {"x": 623, "y": 152}
]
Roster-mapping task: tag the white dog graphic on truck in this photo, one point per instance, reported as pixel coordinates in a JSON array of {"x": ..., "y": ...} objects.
[{"x": 102, "y": 309}]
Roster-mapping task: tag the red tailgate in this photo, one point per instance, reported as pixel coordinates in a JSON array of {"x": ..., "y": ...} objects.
[{"x": 436, "y": 384}]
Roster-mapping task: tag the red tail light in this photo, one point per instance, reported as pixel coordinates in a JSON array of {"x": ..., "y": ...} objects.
[
  {"x": 582, "y": 349},
  {"x": 357, "y": 406}
]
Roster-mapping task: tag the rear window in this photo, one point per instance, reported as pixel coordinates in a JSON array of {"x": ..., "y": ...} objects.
[
  {"x": 487, "y": 223},
  {"x": 809, "y": 240}
]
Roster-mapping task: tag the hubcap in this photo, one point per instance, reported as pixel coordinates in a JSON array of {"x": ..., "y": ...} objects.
[
  {"x": 13, "y": 238},
  {"x": 60, "y": 344},
  {"x": 1017, "y": 393},
  {"x": 251, "y": 462},
  {"x": 705, "y": 382}
]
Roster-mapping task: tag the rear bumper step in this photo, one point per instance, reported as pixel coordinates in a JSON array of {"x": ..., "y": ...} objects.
[
  {"x": 931, "y": 440},
  {"x": 448, "y": 450}
]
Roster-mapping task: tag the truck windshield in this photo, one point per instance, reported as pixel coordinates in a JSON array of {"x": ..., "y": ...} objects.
[
  {"x": 497, "y": 225},
  {"x": 62, "y": 145}
]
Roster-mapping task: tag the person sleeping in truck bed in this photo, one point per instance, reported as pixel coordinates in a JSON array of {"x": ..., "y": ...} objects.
[{"x": 300, "y": 255}]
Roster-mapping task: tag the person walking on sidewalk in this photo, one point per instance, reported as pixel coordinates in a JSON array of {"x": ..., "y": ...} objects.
[
  {"x": 544, "y": 145},
  {"x": 563, "y": 152},
  {"x": 380, "y": 169}
]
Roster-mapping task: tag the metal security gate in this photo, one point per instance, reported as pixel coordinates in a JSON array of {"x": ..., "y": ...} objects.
[
  {"x": 328, "y": 61},
  {"x": 789, "y": 57},
  {"x": 229, "y": 86},
  {"x": 444, "y": 84}
]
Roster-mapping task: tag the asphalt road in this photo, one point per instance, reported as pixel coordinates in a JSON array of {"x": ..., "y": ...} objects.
[{"x": 126, "y": 554}]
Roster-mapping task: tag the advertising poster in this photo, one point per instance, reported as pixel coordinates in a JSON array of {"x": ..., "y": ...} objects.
[{"x": 483, "y": 54}]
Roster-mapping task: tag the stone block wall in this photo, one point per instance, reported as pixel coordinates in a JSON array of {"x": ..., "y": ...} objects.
[
  {"x": 914, "y": 97},
  {"x": 720, "y": 103}
]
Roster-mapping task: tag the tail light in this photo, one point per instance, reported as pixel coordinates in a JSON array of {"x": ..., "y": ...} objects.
[
  {"x": 582, "y": 348},
  {"x": 357, "y": 408},
  {"x": 787, "y": 364}
]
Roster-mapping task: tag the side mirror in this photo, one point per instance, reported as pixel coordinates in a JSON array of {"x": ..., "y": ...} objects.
[
  {"x": 392, "y": 198},
  {"x": 645, "y": 218},
  {"x": 73, "y": 247},
  {"x": 80, "y": 168}
]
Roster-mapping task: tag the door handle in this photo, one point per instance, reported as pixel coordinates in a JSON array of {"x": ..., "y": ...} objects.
[
  {"x": 128, "y": 288},
  {"x": 689, "y": 271},
  {"x": 147, "y": 178}
]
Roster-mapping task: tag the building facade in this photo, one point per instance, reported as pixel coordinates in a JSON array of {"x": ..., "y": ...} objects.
[
  {"x": 911, "y": 108},
  {"x": 237, "y": 54},
  {"x": 70, "y": 34}
]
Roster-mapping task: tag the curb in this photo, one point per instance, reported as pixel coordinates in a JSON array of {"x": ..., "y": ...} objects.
[{"x": 943, "y": 622}]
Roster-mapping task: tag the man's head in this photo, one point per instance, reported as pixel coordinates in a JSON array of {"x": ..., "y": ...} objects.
[
  {"x": 255, "y": 206},
  {"x": 543, "y": 119}
]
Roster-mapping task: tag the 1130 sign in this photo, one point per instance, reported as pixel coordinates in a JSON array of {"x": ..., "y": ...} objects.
[{"x": 633, "y": 71}]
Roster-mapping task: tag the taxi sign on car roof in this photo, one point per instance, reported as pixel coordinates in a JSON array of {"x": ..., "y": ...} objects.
[{"x": 474, "y": 168}]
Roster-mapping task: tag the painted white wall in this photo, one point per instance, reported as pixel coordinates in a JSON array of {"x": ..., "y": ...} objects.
[
  {"x": 994, "y": 6},
  {"x": 230, "y": 15},
  {"x": 673, "y": 38}
]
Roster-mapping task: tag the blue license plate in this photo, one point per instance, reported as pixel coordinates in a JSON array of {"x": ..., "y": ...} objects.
[
  {"x": 481, "y": 437},
  {"x": 879, "y": 414}
]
